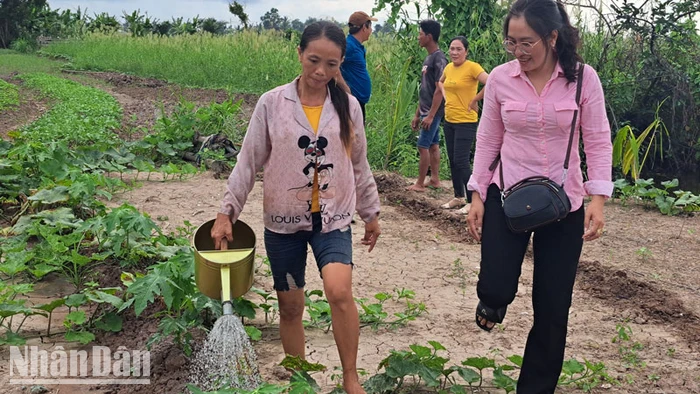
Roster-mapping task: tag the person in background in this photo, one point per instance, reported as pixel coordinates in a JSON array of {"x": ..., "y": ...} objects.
[
  {"x": 309, "y": 138},
  {"x": 459, "y": 83},
  {"x": 527, "y": 113},
  {"x": 354, "y": 66},
  {"x": 431, "y": 107}
]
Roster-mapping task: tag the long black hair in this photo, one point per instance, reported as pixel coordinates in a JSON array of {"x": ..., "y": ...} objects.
[
  {"x": 545, "y": 16},
  {"x": 338, "y": 90}
]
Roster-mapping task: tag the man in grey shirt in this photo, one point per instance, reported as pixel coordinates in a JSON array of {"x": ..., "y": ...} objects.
[{"x": 431, "y": 107}]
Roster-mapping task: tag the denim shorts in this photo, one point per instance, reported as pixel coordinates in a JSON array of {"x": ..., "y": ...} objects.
[
  {"x": 430, "y": 137},
  {"x": 287, "y": 254}
]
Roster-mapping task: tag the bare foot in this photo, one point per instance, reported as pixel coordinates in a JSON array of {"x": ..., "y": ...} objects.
[
  {"x": 435, "y": 184},
  {"x": 353, "y": 386},
  {"x": 416, "y": 188}
]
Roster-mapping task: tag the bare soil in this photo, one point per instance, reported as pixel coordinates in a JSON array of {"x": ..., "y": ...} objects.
[{"x": 643, "y": 273}]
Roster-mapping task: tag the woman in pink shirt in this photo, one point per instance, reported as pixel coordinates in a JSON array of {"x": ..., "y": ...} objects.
[
  {"x": 309, "y": 137},
  {"x": 526, "y": 118}
]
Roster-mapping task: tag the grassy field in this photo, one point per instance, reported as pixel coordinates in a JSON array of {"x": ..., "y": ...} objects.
[
  {"x": 245, "y": 62},
  {"x": 15, "y": 62}
]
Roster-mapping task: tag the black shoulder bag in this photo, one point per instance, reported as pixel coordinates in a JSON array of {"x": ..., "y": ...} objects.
[{"x": 536, "y": 201}]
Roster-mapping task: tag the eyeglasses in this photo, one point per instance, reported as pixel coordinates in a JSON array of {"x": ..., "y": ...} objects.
[{"x": 525, "y": 47}]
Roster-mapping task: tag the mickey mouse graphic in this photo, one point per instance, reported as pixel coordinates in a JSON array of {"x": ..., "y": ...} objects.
[{"x": 315, "y": 155}]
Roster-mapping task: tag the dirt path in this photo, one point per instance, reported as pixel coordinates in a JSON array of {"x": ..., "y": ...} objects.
[{"x": 425, "y": 249}]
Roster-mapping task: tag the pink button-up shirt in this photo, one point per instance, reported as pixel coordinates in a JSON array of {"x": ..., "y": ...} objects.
[{"x": 531, "y": 132}]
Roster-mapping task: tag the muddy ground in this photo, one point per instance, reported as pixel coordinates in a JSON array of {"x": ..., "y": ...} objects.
[{"x": 644, "y": 273}]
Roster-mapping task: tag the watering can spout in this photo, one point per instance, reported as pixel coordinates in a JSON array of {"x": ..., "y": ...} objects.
[
  {"x": 228, "y": 308},
  {"x": 226, "y": 288}
]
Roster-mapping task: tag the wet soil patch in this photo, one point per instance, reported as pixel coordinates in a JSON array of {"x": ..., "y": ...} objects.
[
  {"x": 641, "y": 302},
  {"x": 169, "y": 364},
  {"x": 423, "y": 206}
]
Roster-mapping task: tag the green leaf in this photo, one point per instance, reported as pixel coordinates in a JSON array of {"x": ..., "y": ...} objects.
[
  {"x": 382, "y": 296},
  {"x": 297, "y": 364},
  {"x": 516, "y": 359},
  {"x": 61, "y": 217},
  {"x": 572, "y": 367},
  {"x": 76, "y": 300},
  {"x": 421, "y": 351},
  {"x": 244, "y": 308},
  {"x": 15, "y": 262},
  {"x": 380, "y": 383},
  {"x": 22, "y": 288},
  {"x": 110, "y": 322},
  {"x": 156, "y": 283},
  {"x": 437, "y": 345},
  {"x": 399, "y": 367},
  {"x": 253, "y": 333},
  {"x": 79, "y": 259},
  {"x": 41, "y": 270},
  {"x": 670, "y": 184},
  {"x": 503, "y": 381},
  {"x": 468, "y": 374},
  {"x": 479, "y": 363},
  {"x": 83, "y": 337},
  {"x": 316, "y": 292},
  {"x": 75, "y": 318},
  {"x": 102, "y": 297},
  {"x": 51, "y": 305},
  {"x": 16, "y": 307},
  {"x": 12, "y": 339},
  {"x": 302, "y": 383},
  {"x": 51, "y": 196},
  {"x": 458, "y": 389}
]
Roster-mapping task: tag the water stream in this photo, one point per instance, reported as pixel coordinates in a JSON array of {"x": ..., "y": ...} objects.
[{"x": 227, "y": 358}]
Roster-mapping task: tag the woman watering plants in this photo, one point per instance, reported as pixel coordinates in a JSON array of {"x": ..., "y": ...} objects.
[
  {"x": 459, "y": 84},
  {"x": 530, "y": 126},
  {"x": 308, "y": 136}
]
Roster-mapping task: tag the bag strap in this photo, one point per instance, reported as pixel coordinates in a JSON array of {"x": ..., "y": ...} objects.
[{"x": 579, "y": 83}]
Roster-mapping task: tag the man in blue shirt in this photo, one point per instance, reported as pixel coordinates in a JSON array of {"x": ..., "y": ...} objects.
[{"x": 354, "y": 66}]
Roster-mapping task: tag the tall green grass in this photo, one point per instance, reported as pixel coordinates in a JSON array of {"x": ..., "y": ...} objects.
[
  {"x": 13, "y": 62},
  {"x": 245, "y": 62}
]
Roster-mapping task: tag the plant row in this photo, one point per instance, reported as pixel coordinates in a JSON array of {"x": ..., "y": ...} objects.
[
  {"x": 55, "y": 221},
  {"x": 424, "y": 369},
  {"x": 9, "y": 95}
]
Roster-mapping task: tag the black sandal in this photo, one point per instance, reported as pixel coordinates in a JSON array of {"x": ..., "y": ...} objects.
[{"x": 490, "y": 315}]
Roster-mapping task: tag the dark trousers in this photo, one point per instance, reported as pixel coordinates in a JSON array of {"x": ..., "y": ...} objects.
[
  {"x": 556, "y": 248},
  {"x": 364, "y": 116},
  {"x": 459, "y": 138}
]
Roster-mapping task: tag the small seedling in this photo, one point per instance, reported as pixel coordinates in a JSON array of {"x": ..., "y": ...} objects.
[
  {"x": 644, "y": 253},
  {"x": 628, "y": 349}
]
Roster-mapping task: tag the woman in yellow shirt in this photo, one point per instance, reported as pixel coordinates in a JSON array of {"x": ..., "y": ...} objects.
[{"x": 459, "y": 84}]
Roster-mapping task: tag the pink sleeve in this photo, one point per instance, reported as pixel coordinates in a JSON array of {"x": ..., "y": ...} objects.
[
  {"x": 489, "y": 139},
  {"x": 254, "y": 153},
  {"x": 597, "y": 141},
  {"x": 367, "y": 196}
]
